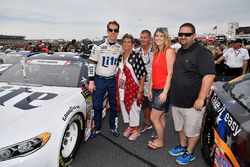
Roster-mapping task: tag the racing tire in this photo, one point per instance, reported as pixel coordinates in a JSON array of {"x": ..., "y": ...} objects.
[
  {"x": 71, "y": 140},
  {"x": 207, "y": 139}
]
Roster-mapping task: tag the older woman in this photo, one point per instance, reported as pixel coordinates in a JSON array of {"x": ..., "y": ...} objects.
[
  {"x": 162, "y": 68},
  {"x": 130, "y": 81}
]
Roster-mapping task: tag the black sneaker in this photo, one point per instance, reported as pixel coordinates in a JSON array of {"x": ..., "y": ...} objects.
[
  {"x": 153, "y": 134},
  {"x": 115, "y": 133},
  {"x": 94, "y": 133}
]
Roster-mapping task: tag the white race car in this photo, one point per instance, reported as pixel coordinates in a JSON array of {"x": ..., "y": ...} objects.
[
  {"x": 45, "y": 111},
  {"x": 11, "y": 58}
]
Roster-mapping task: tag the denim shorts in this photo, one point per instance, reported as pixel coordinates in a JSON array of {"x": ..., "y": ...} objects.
[{"x": 155, "y": 100}]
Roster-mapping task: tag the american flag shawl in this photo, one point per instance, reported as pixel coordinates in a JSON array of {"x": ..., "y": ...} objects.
[{"x": 134, "y": 70}]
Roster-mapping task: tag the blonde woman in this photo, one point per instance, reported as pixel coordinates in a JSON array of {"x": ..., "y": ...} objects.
[{"x": 162, "y": 69}]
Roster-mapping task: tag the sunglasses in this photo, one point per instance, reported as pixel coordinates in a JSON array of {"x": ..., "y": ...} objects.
[
  {"x": 113, "y": 30},
  {"x": 180, "y": 34}
]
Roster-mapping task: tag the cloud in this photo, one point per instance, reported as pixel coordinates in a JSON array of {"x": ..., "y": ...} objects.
[{"x": 78, "y": 19}]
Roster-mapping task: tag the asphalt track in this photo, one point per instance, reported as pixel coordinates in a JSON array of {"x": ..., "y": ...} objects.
[{"x": 108, "y": 151}]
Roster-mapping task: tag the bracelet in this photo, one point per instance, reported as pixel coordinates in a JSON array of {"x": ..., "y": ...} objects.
[{"x": 140, "y": 92}]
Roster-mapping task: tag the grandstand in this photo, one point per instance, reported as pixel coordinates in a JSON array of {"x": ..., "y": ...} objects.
[{"x": 12, "y": 39}]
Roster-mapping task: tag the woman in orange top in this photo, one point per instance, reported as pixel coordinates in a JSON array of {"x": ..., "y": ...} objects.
[{"x": 162, "y": 69}]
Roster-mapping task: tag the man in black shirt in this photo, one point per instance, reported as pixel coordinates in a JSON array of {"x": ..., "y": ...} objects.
[{"x": 193, "y": 75}]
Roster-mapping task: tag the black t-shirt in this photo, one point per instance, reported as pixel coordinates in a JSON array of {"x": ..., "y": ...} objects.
[{"x": 190, "y": 66}]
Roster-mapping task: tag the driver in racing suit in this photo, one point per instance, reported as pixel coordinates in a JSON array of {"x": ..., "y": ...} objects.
[{"x": 102, "y": 65}]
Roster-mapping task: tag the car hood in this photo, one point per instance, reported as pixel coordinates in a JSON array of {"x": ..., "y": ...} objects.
[
  {"x": 29, "y": 111},
  {"x": 4, "y": 67}
]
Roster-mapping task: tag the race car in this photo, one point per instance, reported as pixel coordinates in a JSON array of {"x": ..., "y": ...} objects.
[
  {"x": 4, "y": 67},
  {"x": 225, "y": 139},
  {"x": 46, "y": 111},
  {"x": 13, "y": 57}
]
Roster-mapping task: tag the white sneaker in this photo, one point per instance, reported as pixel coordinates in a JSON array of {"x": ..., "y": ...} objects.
[{"x": 146, "y": 127}]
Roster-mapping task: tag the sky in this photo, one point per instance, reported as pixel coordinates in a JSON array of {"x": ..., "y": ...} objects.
[{"x": 79, "y": 19}]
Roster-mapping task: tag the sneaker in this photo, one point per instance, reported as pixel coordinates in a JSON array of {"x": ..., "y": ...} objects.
[
  {"x": 115, "y": 133},
  {"x": 94, "y": 133},
  {"x": 127, "y": 132},
  {"x": 179, "y": 150},
  {"x": 146, "y": 127},
  {"x": 185, "y": 158},
  {"x": 134, "y": 135}
]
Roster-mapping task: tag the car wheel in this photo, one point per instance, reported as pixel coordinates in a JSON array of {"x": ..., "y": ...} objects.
[
  {"x": 207, "y": 139},
  {"x": 71, "y": 140}
]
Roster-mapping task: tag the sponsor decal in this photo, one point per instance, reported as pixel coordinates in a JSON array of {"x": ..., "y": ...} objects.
[
  {"x": 69, "y": 111},
  {"x": 234, "y": 126},
  {"x": 224, "y": 117},
  {"x": 225, "y": 133},
  {"x": 104, "y": 47},
  {"x": 109, "y": 61},
  {"x": 49, "y": 62},
  {"x": 88, "y": 98},
  {"x": 25, "y": 103},
  {"x": 223, "y": 154},
  {"x": 220, "y": 159},
  {"x": 85, "y": 93},
  {"x": 106, "y": 51},
  {"x": 117, "y": 51}
]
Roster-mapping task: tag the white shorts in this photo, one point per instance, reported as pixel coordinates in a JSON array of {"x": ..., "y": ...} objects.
[{"x": 188, "y": 119}]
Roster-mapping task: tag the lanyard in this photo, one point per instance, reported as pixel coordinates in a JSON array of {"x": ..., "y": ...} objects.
[
  {"x": 145, "y": 57},
  {"x": 236, "y": 53}
]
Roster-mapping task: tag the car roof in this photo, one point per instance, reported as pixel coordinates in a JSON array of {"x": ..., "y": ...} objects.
[
  {"x": 24, "y": 53},
  {"x": 14, "y": 57},
  {"x": 70, "y": 56}
]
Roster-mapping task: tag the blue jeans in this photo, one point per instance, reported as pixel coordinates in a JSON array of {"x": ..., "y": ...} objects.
[{"x": 104, "y": 85}]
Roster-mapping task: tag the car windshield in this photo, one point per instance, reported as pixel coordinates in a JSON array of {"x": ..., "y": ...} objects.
[
  {"x": 12, "y": 59},
  {"x": 45, "y": 72},
  {"x": 241, "y": 91}
]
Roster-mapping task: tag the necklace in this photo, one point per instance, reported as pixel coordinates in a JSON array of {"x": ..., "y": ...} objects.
[{"x": 158, "y": 57}]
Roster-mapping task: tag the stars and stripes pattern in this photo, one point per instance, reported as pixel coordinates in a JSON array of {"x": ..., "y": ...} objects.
[{"x": 134, "y": 69}]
